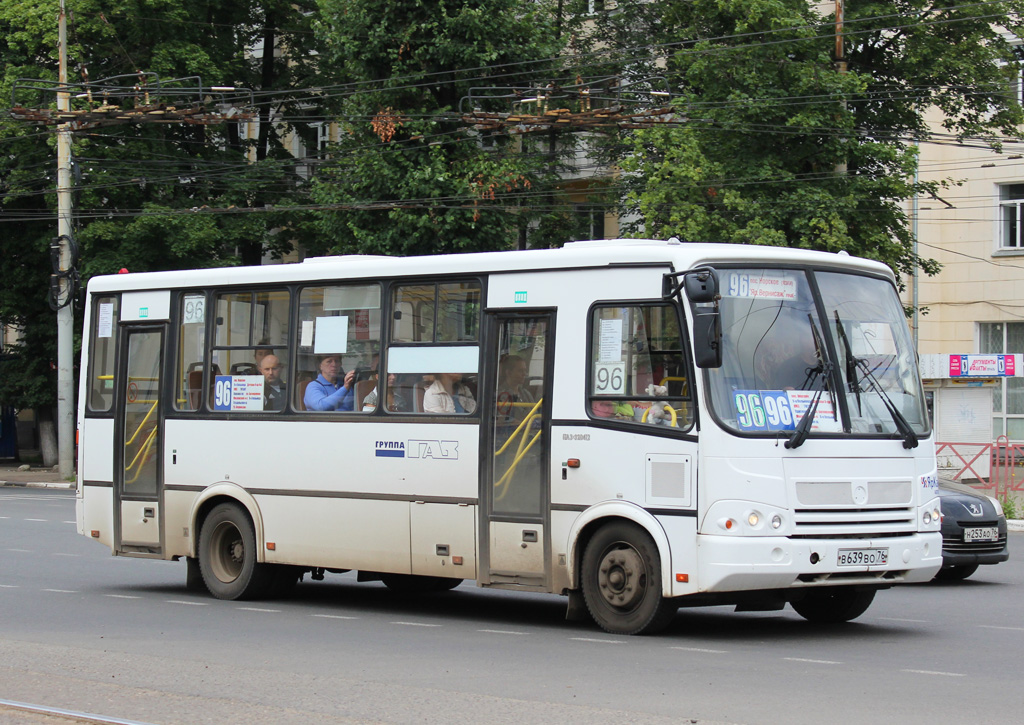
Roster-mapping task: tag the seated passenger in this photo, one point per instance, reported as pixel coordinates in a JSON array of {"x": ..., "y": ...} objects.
[
  {"x": 394, "y": 401},
  {"x": 447, "y": 394},
  {"x": 328, "y": 392},
  {"x": 514, "y": 400},
  {"x": 274, "y": 393}
]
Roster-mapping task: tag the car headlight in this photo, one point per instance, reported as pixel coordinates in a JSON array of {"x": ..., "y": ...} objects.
[{"x": 998, "y": 506}]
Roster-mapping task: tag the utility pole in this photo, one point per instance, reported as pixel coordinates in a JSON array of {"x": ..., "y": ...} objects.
[{"x": 65, "y": 291}]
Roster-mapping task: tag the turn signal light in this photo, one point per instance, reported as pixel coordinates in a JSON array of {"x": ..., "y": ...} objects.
[
  {"x": 573, "y": 463},
  {"x": 682, "y": 578},
  {"x": 271, "y": 546}
]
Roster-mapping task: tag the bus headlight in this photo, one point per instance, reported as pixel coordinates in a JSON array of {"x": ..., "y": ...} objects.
[
  {"x": 753, "y": 519},
  {"x": 776, "y": 521}
]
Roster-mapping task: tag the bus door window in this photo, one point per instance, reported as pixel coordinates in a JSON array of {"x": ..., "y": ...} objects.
[
  {"x": 101, "y": 354},
  {"x": 142, "y": 414},
  {"x": 339, "y": 347},
  {"x": 638, "y": 369},
  {"x": 517, "y": 417}
]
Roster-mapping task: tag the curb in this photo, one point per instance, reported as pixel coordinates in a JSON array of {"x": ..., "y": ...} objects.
[
  {"x": 1015, "y": 524},
  {"x": 14, "y": 484}
]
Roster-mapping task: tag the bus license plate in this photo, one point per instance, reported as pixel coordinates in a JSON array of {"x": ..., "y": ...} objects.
[
  {"x": 863, "y": 557},
  {"x": 988, "y": 533}
]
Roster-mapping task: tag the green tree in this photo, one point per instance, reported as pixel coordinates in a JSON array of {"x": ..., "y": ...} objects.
[
  {"x": 408, "y": 175},
  {"x": 776, "y": 144},
  {"x": 148, "y": 196}
]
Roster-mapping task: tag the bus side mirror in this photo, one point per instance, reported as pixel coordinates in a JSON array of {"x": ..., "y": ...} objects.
[
  {"x": 701, "y": 286},
  {"x": 707, "y": 338}
]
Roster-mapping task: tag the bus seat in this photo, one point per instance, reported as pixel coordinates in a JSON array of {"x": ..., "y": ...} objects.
[
  {"x": 244, "y": 368},
  {"x": 419, "y": 389},
  {"x": 301, "y": 388},
  {"x": 195, "y": 388}
]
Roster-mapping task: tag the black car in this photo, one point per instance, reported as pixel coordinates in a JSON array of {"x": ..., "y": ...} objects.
[{"x": 973, "y": 533}]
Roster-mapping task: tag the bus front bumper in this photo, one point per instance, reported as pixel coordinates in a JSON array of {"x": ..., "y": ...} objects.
[{"x": 734, "y": 563}]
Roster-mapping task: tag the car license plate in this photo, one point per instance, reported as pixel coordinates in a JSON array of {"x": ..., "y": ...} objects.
[
  {"x": 987, "y": 533},
  {"x": 863, "y": 557}
]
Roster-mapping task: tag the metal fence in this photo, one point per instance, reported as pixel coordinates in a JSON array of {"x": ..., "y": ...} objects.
[{"x": 997, "y": 467}]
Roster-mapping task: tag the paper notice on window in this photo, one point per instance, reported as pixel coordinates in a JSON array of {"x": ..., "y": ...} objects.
[
  {"x": 306, "y": 336},
  {"x": 105, "y": 324},
  {"x": 825, "y": 418},
  {"x": 331, "y": 335},
  {"x": 610, "y": 343},
  {"x": 193, "y": 309},
  {"x": 766, "y": 286}
]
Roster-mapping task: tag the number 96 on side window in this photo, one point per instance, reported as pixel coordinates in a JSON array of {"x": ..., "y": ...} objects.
[{"x": 763, "y": 410}]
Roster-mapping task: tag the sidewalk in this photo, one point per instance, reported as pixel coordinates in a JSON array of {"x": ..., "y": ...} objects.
[{"x": 34, "y": 477}]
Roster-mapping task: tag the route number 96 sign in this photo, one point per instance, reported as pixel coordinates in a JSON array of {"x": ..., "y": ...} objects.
[{"x": 610, "y": 378}]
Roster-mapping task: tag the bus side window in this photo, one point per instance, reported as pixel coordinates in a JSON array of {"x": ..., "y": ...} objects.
[
  {"x": 339, "y": 338},
  {"x": 101, "y": 353},
  {"x": 638, "y": 370},
  {"x": 191, "y": 352}
]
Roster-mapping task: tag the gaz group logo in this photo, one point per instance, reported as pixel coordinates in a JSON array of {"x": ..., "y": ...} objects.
[{"x": 442, "y": 450}]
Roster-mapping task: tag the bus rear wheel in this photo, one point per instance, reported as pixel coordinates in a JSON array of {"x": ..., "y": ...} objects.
[
  {"x": 227, "y": 555},
  {"x": 621, "y": 581},
  {"x": 834, "y": 605}
]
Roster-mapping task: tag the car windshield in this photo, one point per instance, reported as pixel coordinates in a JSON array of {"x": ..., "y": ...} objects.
[{"x": 852, "y": 371}]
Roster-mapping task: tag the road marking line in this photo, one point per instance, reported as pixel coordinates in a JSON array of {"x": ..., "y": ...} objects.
[
  {"x": 500, "y": 631},
  {"x": 42, "y": 520},
  {"x": 602, "y": 641},
  {"x": 416, "y": 624},
  {"x": 61, "y": 591},
  {"x": 191, "y": 604},
  {"x": 899, "y": 619},
  {"x": 21, "y": 551},
  {"x": 257, "y": 609},
  {"x": 122, "y": 596},
  {"x": 9, "y": 586},
  {"x": 992, "y": 626},
  {"x": 332, "y": 616},
  {"x": 933, "y": 672},
  {"x": 69, "y": 522},
  {"x": 703, "y": 651},
  {"x": 813, "y": 662}
]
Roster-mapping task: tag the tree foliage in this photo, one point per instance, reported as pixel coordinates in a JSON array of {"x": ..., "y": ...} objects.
[
  {"x": 408, "y": 175},
  {"x": 776, "y": 144}
]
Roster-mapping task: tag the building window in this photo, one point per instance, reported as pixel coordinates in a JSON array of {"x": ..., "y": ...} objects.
[
  {"x": 1011, "y": 211},
  {"x": 1008, "y": 398}
]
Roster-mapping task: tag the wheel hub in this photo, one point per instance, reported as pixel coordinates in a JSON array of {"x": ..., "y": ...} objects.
[{"x": 622, "y": 578}]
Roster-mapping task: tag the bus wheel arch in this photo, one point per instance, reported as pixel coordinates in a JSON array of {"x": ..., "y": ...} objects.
[
  {"x": 217, "y": 494},
  {"x": 228, "y": 554}
]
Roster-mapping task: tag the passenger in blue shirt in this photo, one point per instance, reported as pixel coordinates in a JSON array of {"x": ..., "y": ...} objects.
[{"x": 326, "y": 392}]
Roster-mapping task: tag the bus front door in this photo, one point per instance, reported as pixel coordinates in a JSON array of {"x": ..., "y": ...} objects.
[
  {"x": 138, "y": 445},
  {"x": 515, "y": 541}
]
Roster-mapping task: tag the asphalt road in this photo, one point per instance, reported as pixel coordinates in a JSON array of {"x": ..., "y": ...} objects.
[{"x": 84, "y": 631}]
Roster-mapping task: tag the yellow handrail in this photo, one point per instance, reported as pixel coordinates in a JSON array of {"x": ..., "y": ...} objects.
[
  {"x": 528, "y": 419},
  {"x": 520, "y": 432},
  {"x": 144, "y": 450},
  {"x": 671, "y": 410},
  {"x": 136, "y": 433}
]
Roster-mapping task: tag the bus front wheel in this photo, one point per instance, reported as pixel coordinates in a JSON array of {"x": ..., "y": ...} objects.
[
  {"x": 621, "y": 581},
  {"x": 227, "y": 555},
  {"x": 834, "y": 605}
]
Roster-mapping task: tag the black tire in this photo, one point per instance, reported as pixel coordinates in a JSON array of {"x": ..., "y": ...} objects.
[
  {"x": 956, "y": 573},
  {"x": 413, "y": 584},
  {"x": 834, "y": 605},
  {"x": 621, "y": 581},
  {"x": 227, "y": 555}
]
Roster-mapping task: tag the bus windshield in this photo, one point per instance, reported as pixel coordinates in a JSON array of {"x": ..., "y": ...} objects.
[{"x": 840, "y": 356}]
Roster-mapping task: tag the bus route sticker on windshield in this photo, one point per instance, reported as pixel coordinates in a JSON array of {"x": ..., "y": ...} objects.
[
  {"x": 781, "y": 410},
  {"x": 775, "y": 286}
]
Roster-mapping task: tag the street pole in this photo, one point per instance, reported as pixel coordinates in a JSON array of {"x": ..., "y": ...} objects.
[{"x": 65, "y": 311}]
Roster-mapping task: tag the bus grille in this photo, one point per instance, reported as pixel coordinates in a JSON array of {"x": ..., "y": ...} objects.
[{"x": 854, "y": 522}]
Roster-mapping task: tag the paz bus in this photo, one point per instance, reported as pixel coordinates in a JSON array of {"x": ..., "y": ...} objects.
[{"x": 637, "y": 425}]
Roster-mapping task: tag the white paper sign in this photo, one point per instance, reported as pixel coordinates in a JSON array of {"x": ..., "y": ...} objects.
[
  {"x": 331, "y": 335},
  {"x": 610, "y": 344},
  {"x": 761, "y": 286},
  {"x": 105, "y": 324},
  {"x": 306, "y": 336},
  {"x": 193, "y": 309},
  {"x": 825, "y": 417}
]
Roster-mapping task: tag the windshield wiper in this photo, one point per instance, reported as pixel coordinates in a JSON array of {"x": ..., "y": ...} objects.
[
  {"x": 824, "y": 369},
  {"x": 853, "y": 364}
]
